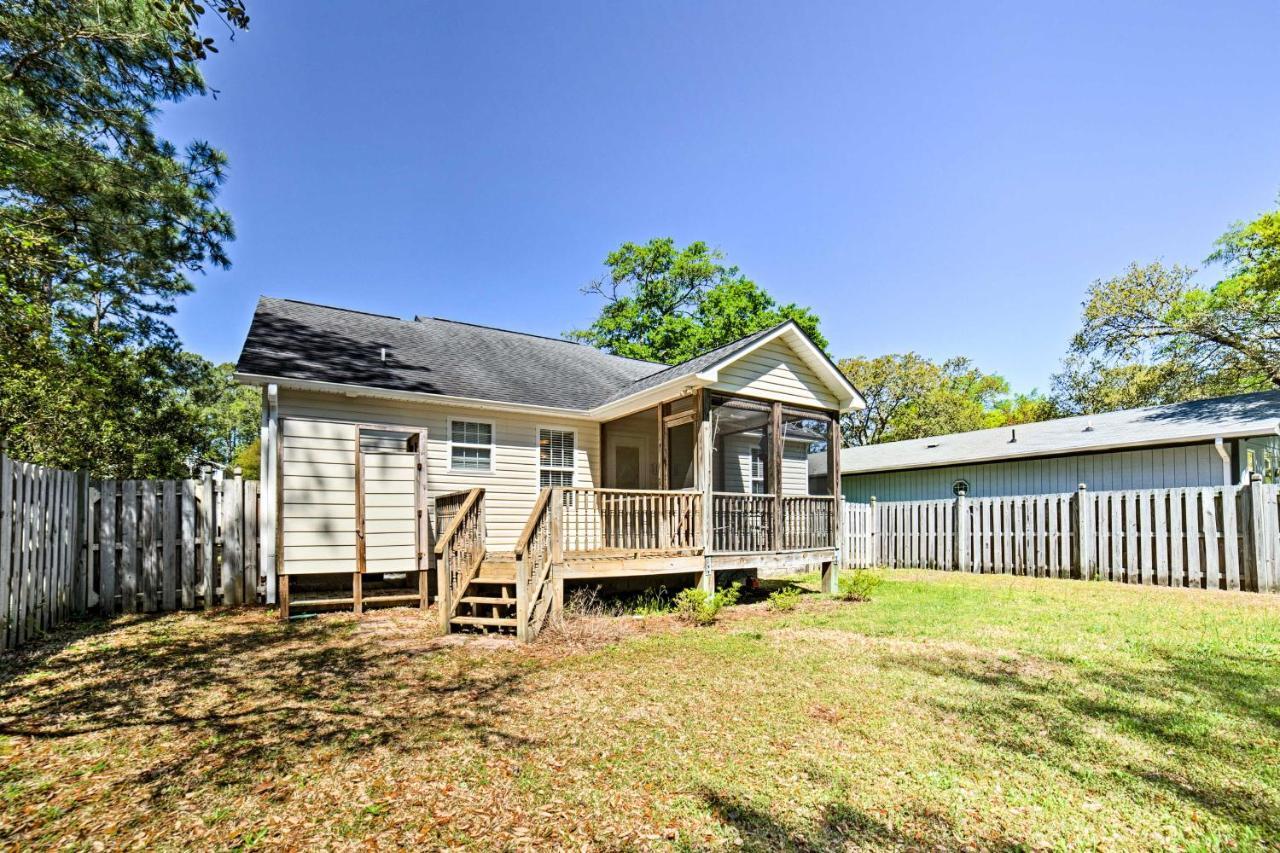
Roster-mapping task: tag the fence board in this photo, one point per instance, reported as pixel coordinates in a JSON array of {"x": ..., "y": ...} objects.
[
  {"x": 7, "y": 516},
  {"x": 1185, "y": 537},
  {"x": 188, "y": 571},
  {"x": 169, "y": 542}
]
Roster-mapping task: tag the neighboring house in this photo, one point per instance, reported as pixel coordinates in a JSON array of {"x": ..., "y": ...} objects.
[
  {"x": 1198, "y": 443},
  {"x": 386, "y": 441}
]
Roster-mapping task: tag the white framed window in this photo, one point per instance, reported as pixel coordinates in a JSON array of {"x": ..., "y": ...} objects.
[
  {"x": 555, "y": 456},
  {"x": 470, "y": 446},
  {"x": 757, "y": 471}
]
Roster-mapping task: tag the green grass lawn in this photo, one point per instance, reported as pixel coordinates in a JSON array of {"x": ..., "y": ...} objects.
[{"x": 949, "y": 711}]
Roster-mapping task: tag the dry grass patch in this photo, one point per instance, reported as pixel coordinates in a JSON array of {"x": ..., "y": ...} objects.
[{"x": 949, "y": 711}]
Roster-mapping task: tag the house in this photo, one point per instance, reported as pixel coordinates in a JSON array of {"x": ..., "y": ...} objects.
[
  {"x": 1208, "y": 442},
  {"x": 430, "y": 460}
]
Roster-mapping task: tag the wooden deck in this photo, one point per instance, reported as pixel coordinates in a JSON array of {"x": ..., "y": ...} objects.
[{"x": 600, "y": 534}]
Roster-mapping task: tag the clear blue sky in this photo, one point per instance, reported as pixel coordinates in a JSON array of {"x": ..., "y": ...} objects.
[{"x": 939, "y": 177}]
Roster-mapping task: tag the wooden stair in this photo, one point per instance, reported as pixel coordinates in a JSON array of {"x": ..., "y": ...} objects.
[{"x": 489, "y": 601}]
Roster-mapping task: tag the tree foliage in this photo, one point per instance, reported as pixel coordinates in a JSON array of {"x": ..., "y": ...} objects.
[
  {"x": 1152, "y": 335},
  {"x": 667, "y": 304},
  {"x": 101, "y": 223},
  {"x": 910, "y": 396}
]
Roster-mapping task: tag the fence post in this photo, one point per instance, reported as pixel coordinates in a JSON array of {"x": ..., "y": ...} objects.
[
  {"x": 963, "y": 561},
  {"x": 873, "y": 534},
  {"x": 81, "y": 581},
  {"x": 1081, "y": 533},
  {"x": 1256, "y": 569}
]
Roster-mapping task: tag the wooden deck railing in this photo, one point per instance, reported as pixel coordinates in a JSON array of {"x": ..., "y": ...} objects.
[
  {"x": 630, "y": 520},
  {"x": 741, "y": 522},
  {"x": 459, "y": 547},
  {"x": 809, "y": 521}
]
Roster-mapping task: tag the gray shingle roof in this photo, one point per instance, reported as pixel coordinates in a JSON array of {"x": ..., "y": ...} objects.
[
  {"x": 1196, "y": 420},
  {"x": 299, "y": 340}
]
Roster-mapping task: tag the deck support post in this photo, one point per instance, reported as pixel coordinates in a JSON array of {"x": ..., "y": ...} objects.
[
  {"x": 830, "y": 578},
  {"x": 707, "y": 580},
  {"x": 357, "y": 593},
  {"x": 522, "y": 599},
  {"x": 557, "y": 595},
  {"x": 283, "y": 588}
]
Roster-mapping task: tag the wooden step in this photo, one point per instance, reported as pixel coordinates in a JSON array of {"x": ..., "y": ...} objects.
[
  {"x": 494, "y": 577},
  {"x": 485, "y": 599},
  {"x": 483, "y": 620}
]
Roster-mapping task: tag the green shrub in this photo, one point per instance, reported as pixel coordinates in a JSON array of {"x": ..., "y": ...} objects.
[
  {"x": 859, "y": 585},
  {"x": 698, "y": 607},
  {"x": 784, "y": 599}
]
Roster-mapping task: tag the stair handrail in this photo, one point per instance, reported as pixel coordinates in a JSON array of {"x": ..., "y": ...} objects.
[
  {"x": 536, "y": 554},
  {"x": 468, "y": 521},
  {"x": 539, "y": 506}
]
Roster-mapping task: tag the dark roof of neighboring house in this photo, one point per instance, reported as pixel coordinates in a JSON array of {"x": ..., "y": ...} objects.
[
  {"x": 300, "y": 340},
  {"x": 1177, "y": 423}
]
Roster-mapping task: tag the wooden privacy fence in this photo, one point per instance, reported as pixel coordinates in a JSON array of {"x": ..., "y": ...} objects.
[
  {"x": 69, "y": 545},
  {"x": 174, "y": 544},
  {"x": 1205, "y": 538}
]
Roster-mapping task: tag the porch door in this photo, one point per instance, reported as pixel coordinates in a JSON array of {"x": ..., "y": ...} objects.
[
  {"x": 628, "y": 463},
  {"x": 682, "y": 438}
]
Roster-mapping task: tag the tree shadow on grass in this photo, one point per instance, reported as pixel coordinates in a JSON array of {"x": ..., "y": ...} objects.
[
  {"x": 1051, "y": 712},
  {"x": 247, "y": 696},
  {"x": 839, "y": 826}
]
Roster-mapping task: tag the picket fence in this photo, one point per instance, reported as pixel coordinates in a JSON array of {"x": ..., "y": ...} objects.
[
  {"x": 70, "y": 545},
  {"x": 1205, "y": 538}
]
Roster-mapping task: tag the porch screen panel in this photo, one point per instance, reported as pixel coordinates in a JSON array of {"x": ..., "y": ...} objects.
[
  {"x": 741, "y": 446},
  {"x": 318, "y": 496},
  {"x": 806, "y": 437}
]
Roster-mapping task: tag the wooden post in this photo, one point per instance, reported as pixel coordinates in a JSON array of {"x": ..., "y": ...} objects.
[
  {"x": 522, "y": 598},
  {"x": 6, "y": 543},
  {"x": 557, "y": 526},
  {"x": 705, "y": 454},
  {"x": 107, "y": 547},
  {"x": 775, "y": 473},
  {"x": 873, "y": 533},
  {"x": 1081, "y": 534},
  {"x": 83, "y": 559},
  {"x": 830, "y": 578},
  {"x": 963, "y": 559},
  {"x": 835, "y": 488},
  {"x": 357, "y": 593},
  {"x": 707, "y": 581},
  {"x": 284, "y": 597},
  {"x": 426, "y": 541},
  {"x": 443, "y": 593},
  {"x": 208, "y": 531},
  {"x": 1256, "y": 569},
  {"x": 232, "y": 539}
]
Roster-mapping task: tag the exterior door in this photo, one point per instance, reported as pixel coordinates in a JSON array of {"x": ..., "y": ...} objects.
[{"x": 628, "y": 464}]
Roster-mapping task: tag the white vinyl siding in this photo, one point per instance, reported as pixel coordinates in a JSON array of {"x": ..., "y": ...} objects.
[
  {"x": 470, "y": 445},
  {"x": 740, "y": 472},
  {"x": 512, "y": 487},
  {"x": 318, "y": 518},
  {"x": 555, "y": 457},
  {"x": 776, "y": 372}
]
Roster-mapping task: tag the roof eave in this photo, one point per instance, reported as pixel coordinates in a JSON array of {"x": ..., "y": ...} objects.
[
  {"x": 1193, "y": 438},
  {"x": 349, "y": 390}
]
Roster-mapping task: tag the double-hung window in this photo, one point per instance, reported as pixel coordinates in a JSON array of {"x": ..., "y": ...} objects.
[
  {"x": 757, "y": 471},
  {"x": 555, "y": 457},
  {"x": 470, "y": 446}
]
